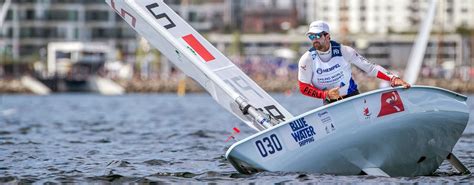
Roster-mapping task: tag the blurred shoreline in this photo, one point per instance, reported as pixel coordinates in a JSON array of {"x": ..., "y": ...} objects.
[{"x": 287, "y": 86}]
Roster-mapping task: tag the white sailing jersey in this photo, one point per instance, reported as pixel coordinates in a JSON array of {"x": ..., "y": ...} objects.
[{"x": 333, "y": 69}]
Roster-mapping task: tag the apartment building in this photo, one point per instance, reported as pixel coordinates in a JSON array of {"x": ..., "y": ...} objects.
[
  {"x": 31, "y": 24},
  {"x": 384, "y": 17}
]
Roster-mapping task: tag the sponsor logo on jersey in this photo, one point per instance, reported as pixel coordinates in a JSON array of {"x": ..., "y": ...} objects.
[
  {"x": 303, "y": 67},
  {"x": 321, "y": 71}
]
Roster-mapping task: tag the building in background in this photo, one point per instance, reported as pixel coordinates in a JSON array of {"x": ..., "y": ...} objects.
[
  {"x": 384, "y": 31},
  {"x": 264, "y": 16},
  {"x": 205, "y": 16},
  {"x": 366, "y": 24},
  {"x": 31, "y": 24},
  {"x": 384, "y": 17}
]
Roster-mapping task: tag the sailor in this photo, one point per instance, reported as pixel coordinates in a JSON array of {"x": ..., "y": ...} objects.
[{"x": 325, "y": 69}]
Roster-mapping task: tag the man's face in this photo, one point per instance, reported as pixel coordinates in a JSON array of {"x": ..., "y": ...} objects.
[{"x": 319, "y": 40}]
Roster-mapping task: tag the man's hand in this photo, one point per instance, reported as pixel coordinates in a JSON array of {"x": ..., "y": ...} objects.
[
  {"x": 396, "y": 81},
  {"x": 333, "y": 94}
]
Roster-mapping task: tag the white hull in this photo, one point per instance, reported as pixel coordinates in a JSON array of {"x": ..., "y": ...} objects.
[{"x": 408, "y": 135}]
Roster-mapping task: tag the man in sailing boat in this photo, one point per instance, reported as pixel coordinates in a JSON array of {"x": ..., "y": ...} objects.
[{"x": 325, "y": 69}]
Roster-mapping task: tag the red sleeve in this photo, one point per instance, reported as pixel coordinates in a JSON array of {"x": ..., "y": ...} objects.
[
  {"x": 311, "y": 91},
  {"x": 383, "y": 76}
]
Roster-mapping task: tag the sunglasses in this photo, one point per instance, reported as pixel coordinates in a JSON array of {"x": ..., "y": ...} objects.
[{"x": 316, "y": 36}]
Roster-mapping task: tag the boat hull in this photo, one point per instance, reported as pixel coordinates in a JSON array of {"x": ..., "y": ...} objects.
[{"x": 402, "y": 132}]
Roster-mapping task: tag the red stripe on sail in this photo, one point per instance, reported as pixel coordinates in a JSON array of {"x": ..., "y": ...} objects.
[{"x": 198, "y": 47}]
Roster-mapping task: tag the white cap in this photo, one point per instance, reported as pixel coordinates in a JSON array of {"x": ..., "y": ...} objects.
[{"x": 318, "y": 27}]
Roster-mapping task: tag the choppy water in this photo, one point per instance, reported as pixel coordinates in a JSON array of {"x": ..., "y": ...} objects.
[{"x": 142, "y": 138}]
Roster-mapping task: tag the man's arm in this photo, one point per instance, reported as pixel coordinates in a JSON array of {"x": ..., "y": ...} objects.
[
  {"x": 372, "y": 69},
  {"x": 311, "y": 91},
  {"x": 305, "y": 75}
]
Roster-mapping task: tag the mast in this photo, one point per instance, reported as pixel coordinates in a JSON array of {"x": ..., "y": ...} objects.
[
  {"x": 200, "y": 60},
  {"x": 3, "y": 11},
  {"x": 418, "y": 51}
]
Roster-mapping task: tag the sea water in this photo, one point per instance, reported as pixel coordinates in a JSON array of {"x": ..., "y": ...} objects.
[{"x": 142, "y": 138}]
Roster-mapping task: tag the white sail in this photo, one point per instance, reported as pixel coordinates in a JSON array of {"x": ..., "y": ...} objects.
[
  {"x": 196, "y": 57},
  {"x": 418, "y": 51}
]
